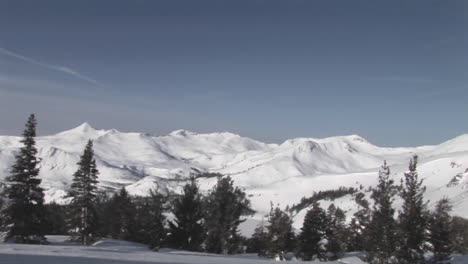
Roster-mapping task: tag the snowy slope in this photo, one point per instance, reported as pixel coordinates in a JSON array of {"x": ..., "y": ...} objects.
[
  {"x": 122, "y": 252},
  {"x": 269, "y": 172}
]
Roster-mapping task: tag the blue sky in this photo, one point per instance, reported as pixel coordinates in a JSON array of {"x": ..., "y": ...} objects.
[{"x": 393, "y": 72}]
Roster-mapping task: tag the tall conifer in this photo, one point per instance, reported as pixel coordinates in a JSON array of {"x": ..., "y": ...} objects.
[
  {"x": 280, "y": 232},
  {"x": 259, "y": 242},
  {"x": 439, "y": 226},
  {"x": 151, "y": 220},
  {"x": 225, "y": 206},
  {"x": 24, "y": 213},
  {"x": 120, "y": 213},
  {"x": 382, "y": 228},
  {"x": 313, "y": 233},
  {"x": 412, "y": 218},
  {"x": 358, "y": 228},
  {"x": 187, "y": 229},
  {"x": 83, "y": 222},
  {"x": 336, "y": 232}
]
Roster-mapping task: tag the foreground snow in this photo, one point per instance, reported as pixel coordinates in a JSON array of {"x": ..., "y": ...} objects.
[
  {"x": 116, "y": 252},
  {"x": 123, "y": 252}
]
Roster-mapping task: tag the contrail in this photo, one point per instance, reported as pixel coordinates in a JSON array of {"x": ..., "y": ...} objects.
[{"x": 51, "y": 66}]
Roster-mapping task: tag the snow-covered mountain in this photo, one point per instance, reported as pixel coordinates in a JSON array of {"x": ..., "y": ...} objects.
[{"x": 269, "y": 172}]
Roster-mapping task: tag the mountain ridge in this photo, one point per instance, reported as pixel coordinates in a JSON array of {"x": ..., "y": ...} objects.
[{"x": 268, "y": 172}]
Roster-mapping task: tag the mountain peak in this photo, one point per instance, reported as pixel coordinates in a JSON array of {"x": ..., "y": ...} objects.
[
  {"x": 84, "y": 128},
  {"x": 182, "y": 133}
]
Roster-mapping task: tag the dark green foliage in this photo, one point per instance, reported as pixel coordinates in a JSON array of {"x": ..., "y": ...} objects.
[
  {"x": 151, "y": 220},
  {"x": 120, "y": 222},
  {"x": 382, "y": 230},
  {"x": 313, "y": 231},
  {"x": 439, "y": 227},
  {"x": 137, "y": 219},
  {"x": 225, "y": 205},
  {"x": 321, "y": 195},
  {"x": 336, "y": 232},
  {"x": 360, "y": 199},
  {"x": 2, "y": 203},
  {"x": 56, "y": 219},
  {"x": 23, "y": 214},
  {"x": 280, "y": 232},
  {"x": 412, "y": 218},
  {"x": 187, "y": 230},
  {"x": 459, "y": 234},
  {"x": 83, "y": 217},
  {"x": 199, "y": 174},
  {"x": 259, "y": 242},
  {"x": 358, "y": 230}
]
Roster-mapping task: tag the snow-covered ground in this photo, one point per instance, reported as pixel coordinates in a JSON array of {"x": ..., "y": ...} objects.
[
  {"x": 280, "y": 173},
  {"x": 116, "y": 252},
  {"x": 109, "y": 251}
]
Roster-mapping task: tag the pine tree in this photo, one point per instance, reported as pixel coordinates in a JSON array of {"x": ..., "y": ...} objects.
[
  {"x": 151, "y": 220},
  {"x": 225, "y": 206},
  {"x": 412, "y": 218},
  {"x": 82, "y": 221},
  {"x": 439, "y": 226},
  {"x": 459, "y": 234},
  {"x": 1, "y": 208},
  {"x": 56, "y": 219},
  {"x": 280, "y": 232},
  {"x": 313, "y": 233},
  {"x": 336, "y": 232},
  {"x": 24, "y": 214},
  {"x": 187, "y": 229},
  {"x": 382, "y": 228},
  {"x": 259, "y": 242},
  {"x": 358, "y": 228},
  {"x": 120, "y": 216}
]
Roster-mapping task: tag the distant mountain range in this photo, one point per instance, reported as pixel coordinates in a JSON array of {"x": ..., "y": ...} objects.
[{"x": 269, "y": 172}]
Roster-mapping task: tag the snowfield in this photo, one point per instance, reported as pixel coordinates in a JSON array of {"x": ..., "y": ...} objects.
[
  {"x": 116, "y": 252},
  {"x": 280, "y": 173},
  {"x": 122, "y": 252}
]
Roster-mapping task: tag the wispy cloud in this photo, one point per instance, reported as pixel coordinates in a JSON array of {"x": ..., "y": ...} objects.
[
  {"x": 53, "y": 67},
  {"x": 13, "y": 82}
]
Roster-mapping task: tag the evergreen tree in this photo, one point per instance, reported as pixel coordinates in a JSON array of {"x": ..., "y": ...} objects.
[
  {"x": 358, "y": 228},
  {"x": 259, "y": 242},
  {"x": 56, "y": 219},
  {"x": 151, "y": 220},
  {"x": 459, "y": 234},
  {"x": 336, "y": 232},
  {"x": 120, "y": 216},
  {"x": 280, "y": 233},
  {"x": 412, "y": 218},
  {"x": 24, "y": 215},
  {"x": 439, "y": 226},
  {"x": 83, "y": 221},
  {"x": 187, "y": 229},
  {"x": 313, "y": 233},
  {"x": 225, "y": 206},
  {"x": 382, "y": 228},
  {"x": 1, "y": 209}
]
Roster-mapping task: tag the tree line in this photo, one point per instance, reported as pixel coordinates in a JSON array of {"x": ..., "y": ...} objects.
[
  {"x": 200, "y": 222},
  {"x": 383, "y": 235},
  {"x": 209, "y": 222}
]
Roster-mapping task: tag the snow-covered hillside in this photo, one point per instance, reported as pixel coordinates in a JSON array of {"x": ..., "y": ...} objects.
[{"x": 269, "y": 172}]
